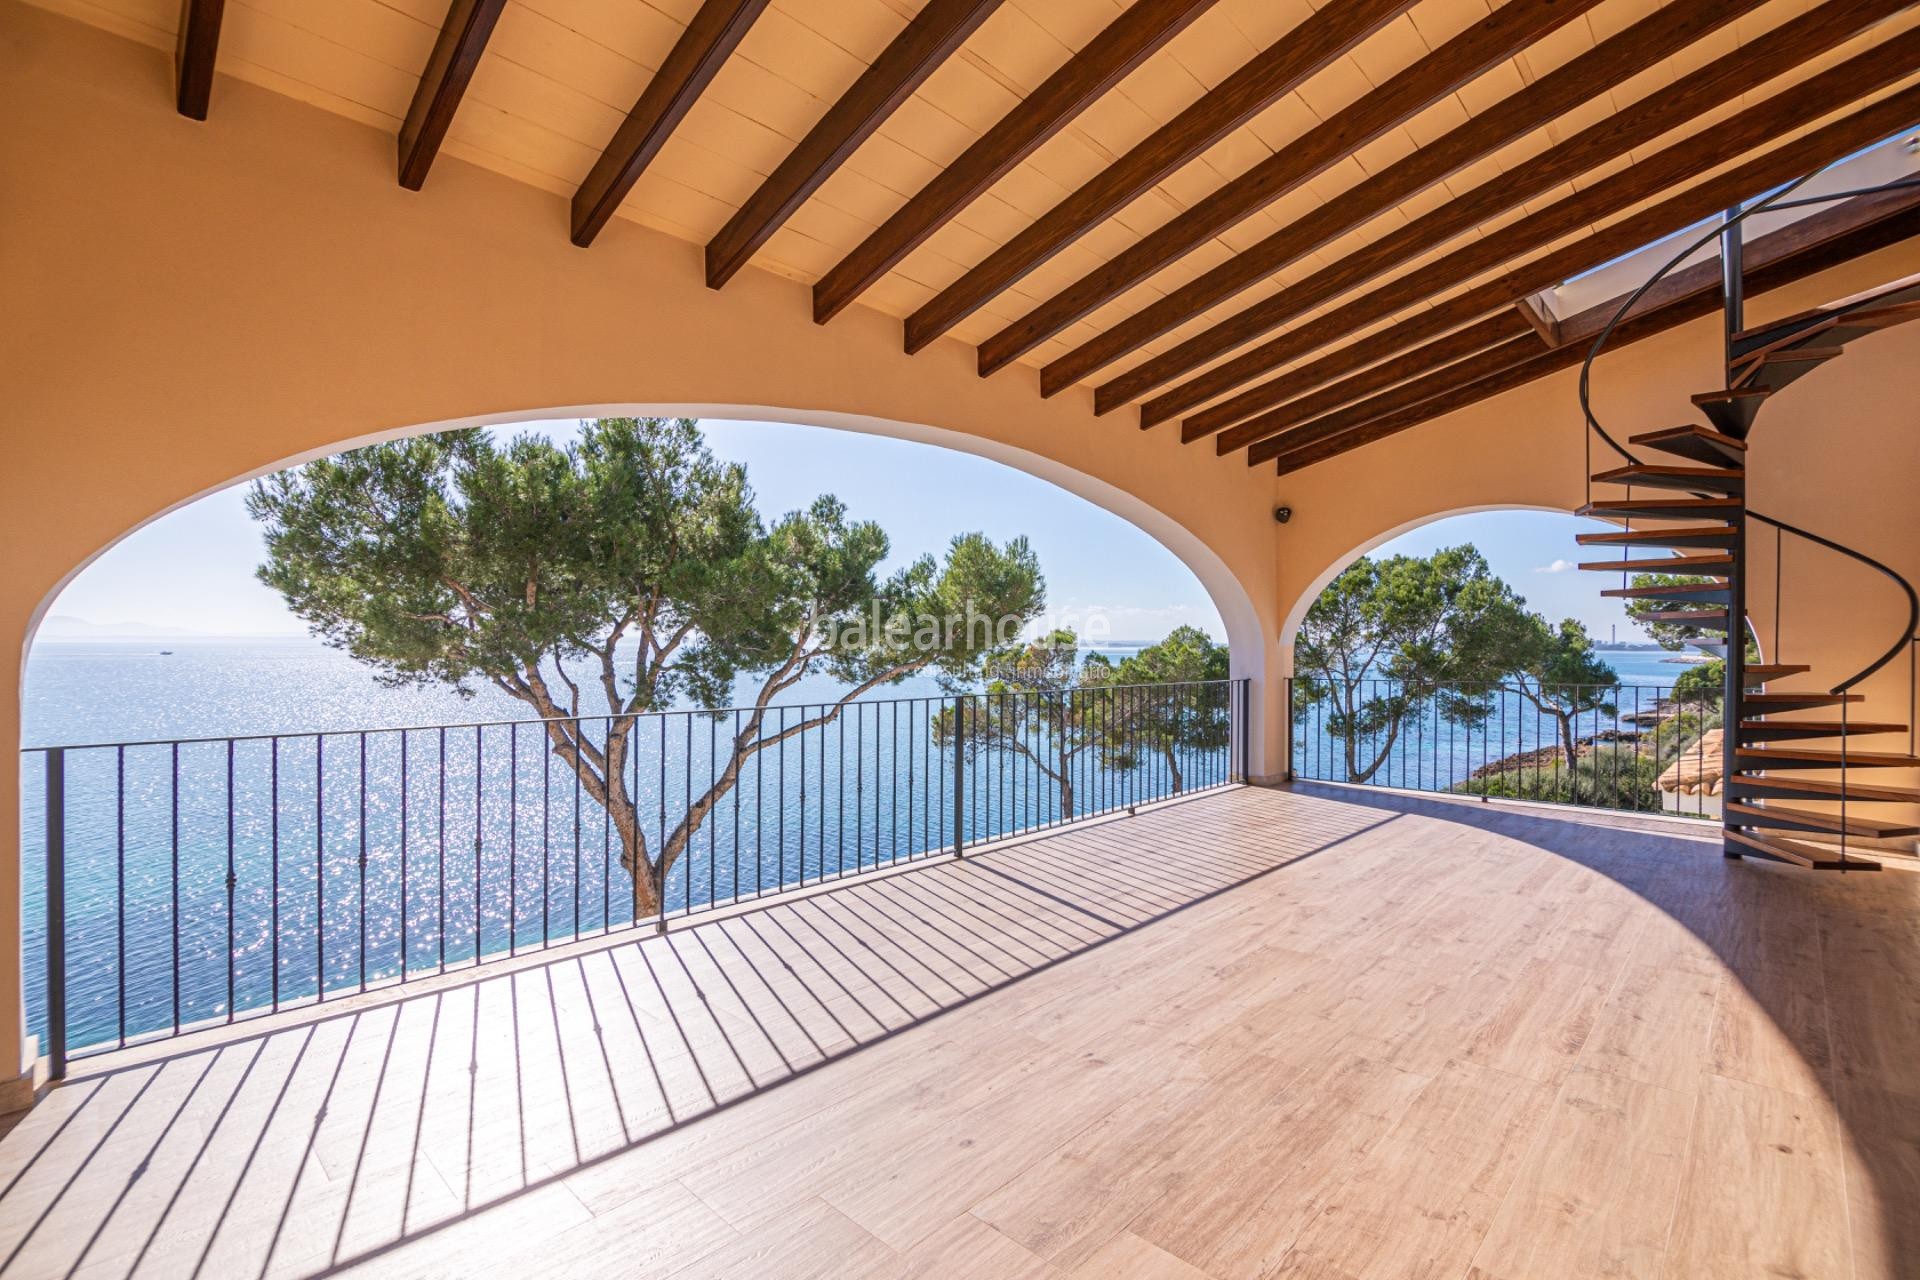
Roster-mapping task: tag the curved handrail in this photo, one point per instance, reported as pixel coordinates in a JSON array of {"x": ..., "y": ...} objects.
[
  {"x": 1770, "y": 202},
  {"x": 1913, "y": 598}
]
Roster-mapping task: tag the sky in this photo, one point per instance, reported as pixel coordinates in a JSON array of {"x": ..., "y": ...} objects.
[
  {"x": 191, "y": 572},
  {"x": 1535, "y": 553}
]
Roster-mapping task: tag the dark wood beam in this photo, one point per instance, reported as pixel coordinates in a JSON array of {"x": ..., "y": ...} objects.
[
  {"x": 1850, "y": 225},
  {"x": 1792, "y": 253},
  {"x": 1536, "y": 314},
  {"x": 1507, "y": 31},
  {"x": 1107, "y": 59},
  {"x": 697, "y": 56},
  {"x": 193, "y": 55},
  {"x": 1521, "y": 352},
  {"x": 1714, "y": 85},
  {"x": 1271, "y": 75},
  {"x": 1495, "y": 330},
  {"x": 463, "y": 38},
  {"x": 941, "y": 27}
]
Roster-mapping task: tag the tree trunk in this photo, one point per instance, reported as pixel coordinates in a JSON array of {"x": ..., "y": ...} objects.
[
  {"x": 1386, "y": 749},
  {"x": 1066, "y": 796},
  {"x": 1173, "y": 766},
  {"x": 1569, "y": 752}
]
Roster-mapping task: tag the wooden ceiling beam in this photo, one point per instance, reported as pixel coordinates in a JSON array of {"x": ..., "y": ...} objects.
[
  {"x": 1523, "y": 351},
  {"x": 1849, "y": 225},
  {"x": 940, "y": 27},
  {"x": 1123, "y": 45},
  {"x": 1543, "y": 321},
  {"x": 1793, "y": 252},
  {"x": 1501, "y": 35},
  {"x": 1258, "y": 84},
  {"x": 1495, "y": 330},
  {"x": 194, "y": 53},
  {"x": 697, "y": 56},
  {"x": 1712, "y": 86},
  {"x": 456, "y": 52}
]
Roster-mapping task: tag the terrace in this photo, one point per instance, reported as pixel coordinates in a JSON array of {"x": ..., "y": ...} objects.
[
  {"x": 1316, "y": 1031},
  {"x": 1415, "y": 254}
]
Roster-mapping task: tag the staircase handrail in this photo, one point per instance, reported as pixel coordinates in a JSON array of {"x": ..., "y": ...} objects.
[{"x": 1775, "y": 201}]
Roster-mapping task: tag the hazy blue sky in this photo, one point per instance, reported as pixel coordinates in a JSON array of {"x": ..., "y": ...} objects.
[{"x": 192, "y": 571}]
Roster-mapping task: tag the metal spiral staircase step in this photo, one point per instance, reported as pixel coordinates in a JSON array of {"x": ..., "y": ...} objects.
[
  {"x": 1696, "y": 443},
  {"x": 1660, "y": 508},
  {"x": 1722, "y": 480},
  {"x": 1790, "y": 756},
  {"x": 1695, "y": 592},
  {"x": 1732, "y": 411},
  {"x": 1775, "y": 670},
  {"x": 1748, "y": 784},
  {"x": 1777, "y": 730},
  {"x": 1713, "y": 535},
  {"x": 1811, "y": 856},
  {"x": 1790, "y": 701},
  {"x": 1713, "y": 564},
  {"x": 1787, "y": 818},
  {"x": 1700, "y": 619}
]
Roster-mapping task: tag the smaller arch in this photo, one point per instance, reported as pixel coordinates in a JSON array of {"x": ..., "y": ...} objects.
[{"x": 1297, "y": 608}]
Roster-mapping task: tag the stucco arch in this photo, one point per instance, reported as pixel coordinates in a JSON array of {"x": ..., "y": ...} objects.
[
  {"x": 1297, "y": 609},
  {"x": 1238, "y": 613},
  {"x": 274, "y": 296}
]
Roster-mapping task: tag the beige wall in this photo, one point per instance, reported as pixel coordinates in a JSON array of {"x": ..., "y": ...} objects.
[
  {"x": 190, "y": 304},
  {"x": 1837, "y": 453}
]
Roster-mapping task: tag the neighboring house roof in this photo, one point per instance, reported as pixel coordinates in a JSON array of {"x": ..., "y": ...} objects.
[{"x": 1697, "y": 771}]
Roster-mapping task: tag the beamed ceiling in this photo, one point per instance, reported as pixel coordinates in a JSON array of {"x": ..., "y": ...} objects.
[{"x": 1277, "y": 229}]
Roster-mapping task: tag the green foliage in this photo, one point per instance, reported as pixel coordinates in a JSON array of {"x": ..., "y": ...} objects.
[
  {"x": 1387, "y": 636},
  {"x": 631, "y": 554},
  {"x": 1617, "y": 777},
  {"x": 1041, "y": 703},
  {"x": 1178, "y": 721},
  {"x": 1559, "y": 673}
]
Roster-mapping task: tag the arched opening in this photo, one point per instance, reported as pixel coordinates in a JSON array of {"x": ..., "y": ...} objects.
[
  {"x": 1550, "y": 684},
  {"x": 317, "y": 761},
  {"x": 1246, "y": 637}
]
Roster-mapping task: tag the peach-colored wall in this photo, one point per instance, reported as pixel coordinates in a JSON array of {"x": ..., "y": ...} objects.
[
  {"x": 1837, "y": 453},
  {"x": 188, "y": 304}
]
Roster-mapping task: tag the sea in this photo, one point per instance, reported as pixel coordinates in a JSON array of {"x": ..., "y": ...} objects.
[{"x": 287, "y": 828}]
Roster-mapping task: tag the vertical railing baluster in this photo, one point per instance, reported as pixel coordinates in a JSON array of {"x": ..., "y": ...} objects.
[
  {"x": 363, "y": 861},
  {"x": 120, "y": 885},
  {"x": 232, "y": 882},
  {"x": 56, "y": 908},
  {"x": 959, "y": 773},
  {"x": 174, "y": 872},
  {"x": 513, "y": 839},
  {"x": 319, "y": 865},
  {"x": 406, "y": 833}
]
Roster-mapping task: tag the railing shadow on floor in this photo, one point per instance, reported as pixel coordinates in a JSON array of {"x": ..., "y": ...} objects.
[
  {"x": 285, "y": 1147},
  {"x": 1785, "y": 935}
]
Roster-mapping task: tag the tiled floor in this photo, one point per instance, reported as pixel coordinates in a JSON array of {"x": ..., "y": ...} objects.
[{"x": 1309, "y": 1033}]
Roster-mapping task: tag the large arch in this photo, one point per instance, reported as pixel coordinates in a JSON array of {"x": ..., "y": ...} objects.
[{"x": 262, "y": 292}]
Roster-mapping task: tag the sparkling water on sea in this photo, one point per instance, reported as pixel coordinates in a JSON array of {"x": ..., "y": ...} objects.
[{"x": 350, "y": 860}]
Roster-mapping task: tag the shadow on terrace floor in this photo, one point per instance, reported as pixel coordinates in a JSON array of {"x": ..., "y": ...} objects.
[
  {"x": 309, "y": 1148},
  {"x": 1470, "y": 1036}
]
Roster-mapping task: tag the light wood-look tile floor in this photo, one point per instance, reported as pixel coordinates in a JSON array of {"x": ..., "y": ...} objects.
[{"x": 1308, "y": 1033}]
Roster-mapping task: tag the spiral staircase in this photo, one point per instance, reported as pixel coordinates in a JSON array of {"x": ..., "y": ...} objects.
[{"x": 1799, "y": 774}]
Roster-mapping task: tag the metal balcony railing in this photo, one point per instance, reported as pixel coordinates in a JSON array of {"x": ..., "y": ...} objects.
[
  {"x": 189, "y": 883},
  {"x": 1595, "y": 746}
]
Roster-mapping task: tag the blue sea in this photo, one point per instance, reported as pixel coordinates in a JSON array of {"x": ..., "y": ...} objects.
[
  {"x": 347, "y": 840},
  {"x": 319, "y": 832}
]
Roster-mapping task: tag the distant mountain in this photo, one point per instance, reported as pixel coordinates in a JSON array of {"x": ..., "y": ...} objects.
[{"x": 64, "y": 626}]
